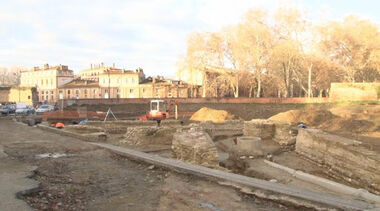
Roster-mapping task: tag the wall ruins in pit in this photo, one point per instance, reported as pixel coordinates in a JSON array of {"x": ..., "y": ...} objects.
[
  {"x": 195, "y": 146},
  {"x": 229, "y": 128},
  {"x": 280, "y": 132},
  {"x": 346, "y": 158}
]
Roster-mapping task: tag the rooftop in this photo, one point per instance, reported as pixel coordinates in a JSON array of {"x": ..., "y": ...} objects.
[{"x": 77, "y": 83}]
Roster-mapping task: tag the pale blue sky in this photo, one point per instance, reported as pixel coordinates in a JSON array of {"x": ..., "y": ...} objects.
[{"x": 132, "y": 33}]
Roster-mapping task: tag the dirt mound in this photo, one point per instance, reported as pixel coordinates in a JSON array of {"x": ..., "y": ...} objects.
[
  {"x": 208, "y": 114},
  {"x": 312, "y": 117},
  {"x": 326, "y": 120},
  {"x": 348, "y": 125}
]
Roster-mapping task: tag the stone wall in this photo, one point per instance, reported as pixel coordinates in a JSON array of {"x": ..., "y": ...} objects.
[
  {"x": 195, "y": 146},
  {"x": 280, "y": 132},
  {"x": 229, "y": 128},
  {"x": 345, "y": 158},
  {"x": 148, "y": 135}
]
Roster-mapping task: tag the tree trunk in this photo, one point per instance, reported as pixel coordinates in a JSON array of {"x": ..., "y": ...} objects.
[
  {"x": 309, "y": 81},
  {"x": 236, "y": 89},
  {"x": 258, "y": 86},
  {"x": 204, "y": 84},
  {"x": 250, "y": 91}
]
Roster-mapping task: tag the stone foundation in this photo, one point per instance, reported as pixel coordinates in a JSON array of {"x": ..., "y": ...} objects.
[
  {"x": 345, "y": 158},
  {"x": 248, "y": 145},
  {"x": 229, "y": 128},
  {"x": 195, "y": 146},
  {"x": 280, "y": 132},
  {"x": 149, "y": 135},
  {"x": 259, "y": 128}
]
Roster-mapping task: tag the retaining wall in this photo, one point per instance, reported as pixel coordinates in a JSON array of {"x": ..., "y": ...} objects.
[
  {"x": 68, "y": 102},
  {"x": 345, "y": 158}
]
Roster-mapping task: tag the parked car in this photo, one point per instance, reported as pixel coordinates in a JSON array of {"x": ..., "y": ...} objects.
[
  {"x": 44, "y": 108},
  {"x": 12, "y": 108},
  {"x": 5, "y": 110},
  {"x": 25, "y": 110}
]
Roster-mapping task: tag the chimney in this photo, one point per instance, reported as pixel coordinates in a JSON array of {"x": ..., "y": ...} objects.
[
  {"x": 46, "y": 66},
  {"x": 102, "y": 64},
  {"x": 91, "y": 66}
]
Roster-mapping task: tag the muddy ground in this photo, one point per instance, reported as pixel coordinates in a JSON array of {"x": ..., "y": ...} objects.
[{"x": 75, "y": 175}]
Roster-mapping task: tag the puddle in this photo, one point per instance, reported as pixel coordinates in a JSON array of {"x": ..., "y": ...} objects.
[
  {"x": 52, "y": 155},
  {"x": 209, "y": 206}
]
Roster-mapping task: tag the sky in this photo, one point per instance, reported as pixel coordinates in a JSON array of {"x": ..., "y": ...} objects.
[{"x": 132, "y": 33}]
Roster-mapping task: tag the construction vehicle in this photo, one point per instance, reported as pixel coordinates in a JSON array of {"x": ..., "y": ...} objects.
[{"x": 159, "y": 110}]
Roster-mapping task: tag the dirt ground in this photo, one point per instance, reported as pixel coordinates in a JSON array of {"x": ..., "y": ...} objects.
[{"x": 75, "y": 175}]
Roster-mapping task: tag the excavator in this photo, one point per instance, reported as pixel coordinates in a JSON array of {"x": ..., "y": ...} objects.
[{"x": 159, "y": 110}]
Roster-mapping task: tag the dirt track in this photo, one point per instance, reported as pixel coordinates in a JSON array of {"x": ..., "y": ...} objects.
[{"x": 88, "y": 178}]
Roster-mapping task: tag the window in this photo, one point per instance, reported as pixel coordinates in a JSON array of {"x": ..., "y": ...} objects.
[
  {"x": 42, "y": 82},
  {"x": 143, "y": 90},
  {"x": 170, "y": 93},
  {"x": 104, "y": 80},
  {"x": 117, "y": 81},
  {"x": 77, "y": 94},
  {"x": 85, "y": 93},
  {"x": 130, "y": 90},
  {"x": 68, "y": 94},
  {"x": 133, "y": 80},
  {"x": 28, "y": 97},
  {"x": 94, "y": 93},
  {"x": 126, "y": 80},
  {"x": 47, "y": 82},
  {"x": 154, "y": 106}
]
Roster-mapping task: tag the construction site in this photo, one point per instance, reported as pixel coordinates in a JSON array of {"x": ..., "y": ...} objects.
[{"x": 169, "y": 155}]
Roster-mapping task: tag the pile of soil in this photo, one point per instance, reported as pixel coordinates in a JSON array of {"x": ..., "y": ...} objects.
[
  {"x": 325, "y": 120},
  {"x": 312, "y": 116},
  {"x": 208, "y": 114}
]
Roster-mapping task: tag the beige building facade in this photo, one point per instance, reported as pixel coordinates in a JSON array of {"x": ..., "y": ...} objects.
[
  {"x": 16, "y": 94},
  {"x": 47, "y": 80}
]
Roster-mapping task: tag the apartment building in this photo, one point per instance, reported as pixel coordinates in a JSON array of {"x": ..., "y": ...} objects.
[{"x": 47, "y": 80}]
